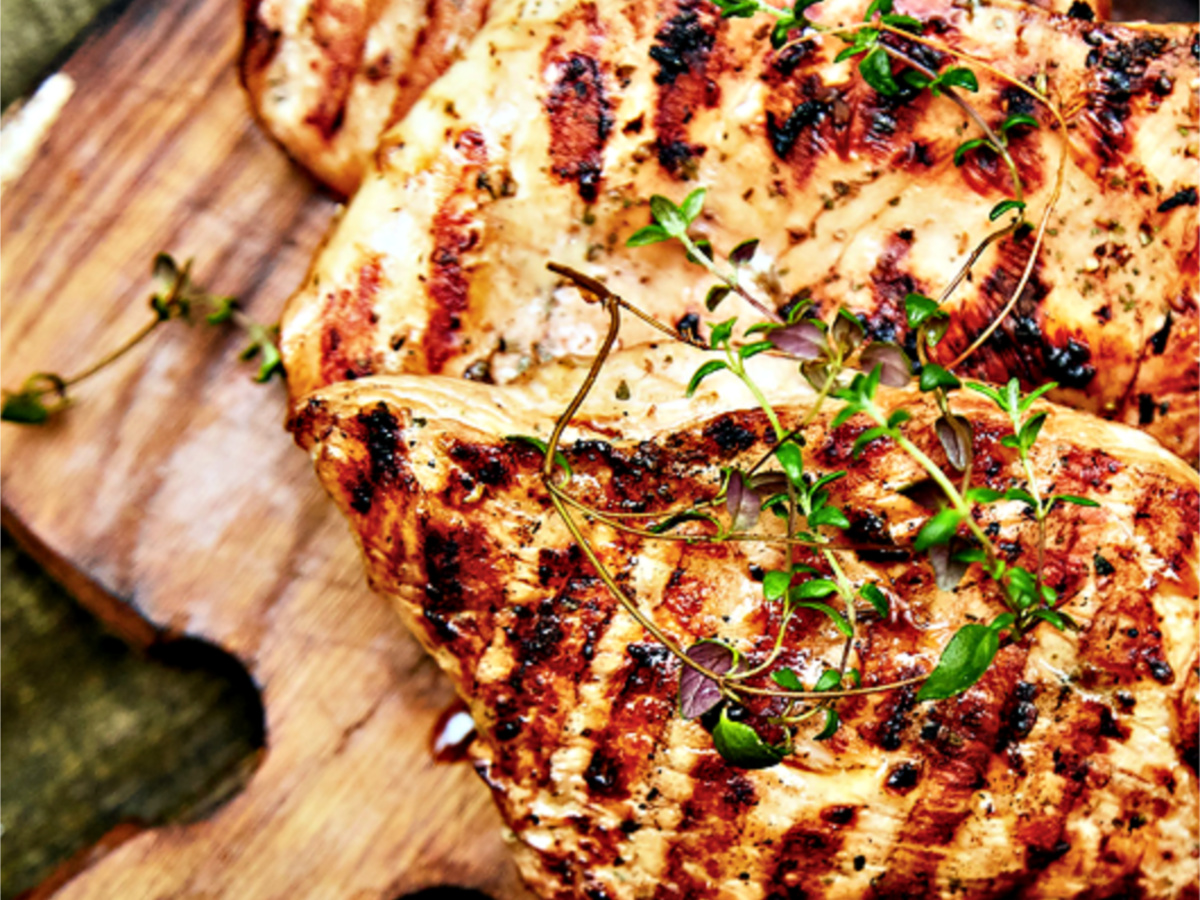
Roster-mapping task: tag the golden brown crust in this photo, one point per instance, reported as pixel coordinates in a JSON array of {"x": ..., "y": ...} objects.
[
  {"x": 1069, "y": 769},
  {"x": 544, "y": 142}
]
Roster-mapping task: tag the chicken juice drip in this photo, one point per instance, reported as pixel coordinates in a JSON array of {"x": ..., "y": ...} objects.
[{"x": 452, "y": 734}]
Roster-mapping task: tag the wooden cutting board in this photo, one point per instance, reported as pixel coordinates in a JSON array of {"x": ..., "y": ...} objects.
[{"x": 171, "y": 501}]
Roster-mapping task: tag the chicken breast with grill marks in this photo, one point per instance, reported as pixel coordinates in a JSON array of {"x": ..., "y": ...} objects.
[
  {"x": 544, "y": 142},
  {"x": 326, "y": 77},
  {"x": 1068, "y": 771}
]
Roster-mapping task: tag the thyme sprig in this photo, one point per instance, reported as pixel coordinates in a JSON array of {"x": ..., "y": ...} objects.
[
  {"x": 671, "y": 222},
  {"x": 844, "y": 367},
  {"x": 45, "y": 394},
  {"x": 715, "y": 674}
]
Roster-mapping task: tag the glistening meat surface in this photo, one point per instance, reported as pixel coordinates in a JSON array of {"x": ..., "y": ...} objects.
[
  {"x": 1069, "y": 771},
  {"x": 326, "y": 77},
  {"x": 545, "y": 141}
]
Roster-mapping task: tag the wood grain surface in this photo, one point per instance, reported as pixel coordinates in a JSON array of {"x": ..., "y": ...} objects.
[{"x": 170, "y": 500}]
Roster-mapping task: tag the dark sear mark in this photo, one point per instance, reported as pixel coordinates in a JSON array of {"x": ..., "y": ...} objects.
[
  {"x": 682, "y": 44},
  {"x": 783, "y": 135},
  {"x": 730, "y": 435},
  {"x": 382, "y": 437},
  {"x": 1017, "y": 719},
  {"x": 1146, "y": 409},
  {"x": 686, "y": 81},
  {"x": 641, "y": 711},
  {"x": 1120, "y": 73},
  {"x": 1019, "y": 346},
  {"x": 806, "y": 117},
  {"x": 348, "y": 327},
  {"x": 340, "y": 32},
  {"x": 890, "y": 284},
  {"x": 455, "y": 233},
  {"x": 581, "y": 116},
  {"x": 720, "y": 801},
  {"x": 807, "y": 854},
  {"x": 954, "y": 769}
]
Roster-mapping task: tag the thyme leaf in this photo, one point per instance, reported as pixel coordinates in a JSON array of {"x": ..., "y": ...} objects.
[{"x": 741, "y": 746}]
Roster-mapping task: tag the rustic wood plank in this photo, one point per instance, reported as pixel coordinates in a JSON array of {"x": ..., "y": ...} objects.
[{"x": 172, "y": 486}]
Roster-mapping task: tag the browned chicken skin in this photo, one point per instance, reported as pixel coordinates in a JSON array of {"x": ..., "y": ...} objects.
[
  {"x": 1069, "y": 771},
  {"x": 545, "y": 141}
]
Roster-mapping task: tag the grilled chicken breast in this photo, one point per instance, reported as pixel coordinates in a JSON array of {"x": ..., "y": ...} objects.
[
  {"x": 1068, "y": 771},
  {"x": 325, "y": 77},
  {"x": 546, "y": 140}
]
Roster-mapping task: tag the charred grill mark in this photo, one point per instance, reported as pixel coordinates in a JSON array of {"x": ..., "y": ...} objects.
[
  {"x": 839, "y": 815},
  {"x": 1185, "y": 197},
  {"x": 1019, "y": 345},
  {"x": 782, "y": 64},
  {"x": 340, "y": 31},
  {"x": 536, "y": 634},
  {"x": 1124, "y": 642},
  {"x": 1017, "y": 719},
  {"x": 960, "y": 755},
  {"x": 260, "y": 42},
  {"x": 809, "y": 118},
  {"x": 987, "y": 174},
  {"x": 1045, "y": 836},
  {"x": 686, "y": 81},
  {"x": 1070, "y": 364},
  {"x": 806, "y": 855},
  {"x": 603, "y": 774},
  {"x": 1083, "y": 12},
  {"x": 1120, "y": 72},
  {"x": 580, "y": 122},
  {"x": 556, "y": 566},
  {"x": 893, "y": 719},
  {"x": 448, "y": 590},
  {"x": 580, "y": 110},
  {"x": 806, "y": 115},
  {"x": 732, "y": 433},
  {"x": 721, "y": 798},
  {"x": 348, "y": 327},
  {"x": 683, "y": 44},
  {"x": 902, "y": 778},
  {"x": 1146, "y": 409},
  {"x": 362, "y": 493},
  {"x": 890, "y": 284},
  {"x": 381, "y": 438},
  {"x": 488, "y": 464},
  {"x": 883, "y": 124},
  {"x": 455, "y": 234},
  {"x": 636, "y": 479},
  {"x": 641, "y": 710}
]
